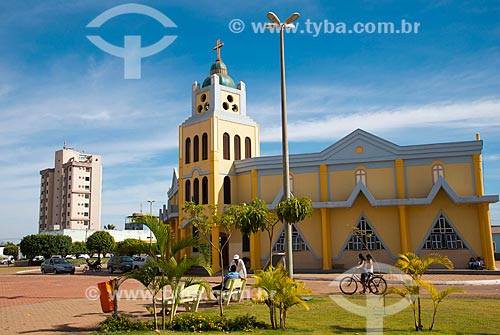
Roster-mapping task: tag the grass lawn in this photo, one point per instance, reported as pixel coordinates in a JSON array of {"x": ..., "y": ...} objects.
[{"x": 457, "y": 316}]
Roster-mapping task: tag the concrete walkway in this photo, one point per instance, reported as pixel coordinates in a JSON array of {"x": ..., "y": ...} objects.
[{"x": 32, "y": 303}]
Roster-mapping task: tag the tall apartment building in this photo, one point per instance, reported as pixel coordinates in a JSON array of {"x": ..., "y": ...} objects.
[{"x": 70, "y": 193}]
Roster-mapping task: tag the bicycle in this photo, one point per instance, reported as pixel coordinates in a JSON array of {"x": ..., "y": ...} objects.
[{"x": 375, "y": 283}]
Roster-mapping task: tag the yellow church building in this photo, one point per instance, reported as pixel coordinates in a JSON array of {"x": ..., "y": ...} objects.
[{"x": 369, "y": 195}]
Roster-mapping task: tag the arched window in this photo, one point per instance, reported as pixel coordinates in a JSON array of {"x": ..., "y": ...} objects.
[
  {"x": 196, "y": 149},
  {"x": 248, "y": 147},
  {"x": 188, "y": 151},
  {"x": 226, "y": 146},
  {"x": 361, "y": 176},
  {"x": 204, "y": 146},
  {"x": 187, "y": 190},
  {"x": 437, "y": 171},
  {"x": 443, "y": 236},
  {"x": 237, "y": 148},
  {"x": 227, "y": 190},
  {"x": 196, "y": 191},
  {"x": 204, "y": 191},
  {"x": 363, "y": 237}
]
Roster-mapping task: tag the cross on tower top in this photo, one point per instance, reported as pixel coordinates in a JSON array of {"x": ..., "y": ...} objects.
[{"x": 217, "y": 47}]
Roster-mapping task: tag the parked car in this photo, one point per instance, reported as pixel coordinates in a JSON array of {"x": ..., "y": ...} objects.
[
  {"x": 140, "y": 261},
  {"x": 9, "y": 260},
  {"x": 70, "y": 257},
  {"x": 121, "y": 263},
  {"x": 57, "y": 265}
]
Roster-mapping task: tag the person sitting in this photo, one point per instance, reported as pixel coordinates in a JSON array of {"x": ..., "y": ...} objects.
[
  {"x": 232, "y": 274},
  {"x": 479, "y": 263},
  {"x": 472, "y": 263}
]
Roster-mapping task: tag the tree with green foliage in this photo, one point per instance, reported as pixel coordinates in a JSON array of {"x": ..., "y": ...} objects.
[
  {"x": 62, "y": 244},
  {"x": 11, "y": 250},
  {"x": 227, "y": 220},
  {"x": 45, "y": 245},
  {"x": 279, "y": 292},
  {"x": 170, "y": 266},
  {"x": 294, "y": 210},
  {"x": 79, "y": 248},
  {"x": 110, "y": 227},
  {"x": 415, "y": 267},
  {"x": 132, "y": 246},
  {"x": 291, "y": 211},
  {"x": 255, "y": 216},
  {"x": 101, "y": 242}
]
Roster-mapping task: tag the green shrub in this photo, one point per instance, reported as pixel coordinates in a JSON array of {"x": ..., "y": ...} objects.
[
  {"x": 198, "y": 323},
  {"x": 113, "y": 324}
]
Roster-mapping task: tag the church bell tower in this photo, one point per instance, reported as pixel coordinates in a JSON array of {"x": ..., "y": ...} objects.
[{"x": 217, "y": 133}]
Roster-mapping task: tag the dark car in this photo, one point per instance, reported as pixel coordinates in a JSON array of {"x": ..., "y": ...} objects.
[
  {"x": 120, "y": 263},
  {"x": 57, "y": 265}
]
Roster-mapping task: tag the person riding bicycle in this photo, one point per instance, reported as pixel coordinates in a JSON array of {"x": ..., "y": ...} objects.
[{"x": 366, "y": 264}]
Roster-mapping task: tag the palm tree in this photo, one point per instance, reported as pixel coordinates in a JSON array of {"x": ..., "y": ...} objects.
[
  {"x": 415, "y": 267},
  {"x": 147, "y": 276},
  {"x": 170, "y": 267},
  {"x": 437, "y": 297},
  {"x": 279, "y": 292}
]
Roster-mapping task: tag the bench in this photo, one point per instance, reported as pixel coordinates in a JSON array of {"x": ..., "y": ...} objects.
[
  {"x": 190, "y": 296},
  {"x": 235, "y": 288}
]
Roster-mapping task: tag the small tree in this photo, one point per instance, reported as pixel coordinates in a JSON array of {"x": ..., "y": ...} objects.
[
  {"x": 11, "y": 250},
  {"x": 292, "y": 211},
  {"x": 279, "y": 292},
  {"x": 254, "y": 217},
  {"x": 100, "y": 242},
  {"x": 171, "y": 267},
  {"x": 31, "y": 246},
  {"x": 62, "y": 244},
  {"x": 78, "y": 248},
  {"x": 226, "y": 220},
  {"x": 131, "y": 246},
  {"x": 415, "y": 267},
  {"x": 110, "y": 227}
]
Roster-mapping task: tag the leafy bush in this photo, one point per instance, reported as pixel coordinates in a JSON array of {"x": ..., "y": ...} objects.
[
  {"x": 198, "y": 323},
  {"x": 113, "y": 324}
]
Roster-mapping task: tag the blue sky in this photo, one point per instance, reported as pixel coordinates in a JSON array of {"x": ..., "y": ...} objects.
[{"x": 441, "y": 84}]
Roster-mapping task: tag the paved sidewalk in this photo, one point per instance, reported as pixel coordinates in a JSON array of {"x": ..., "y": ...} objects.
[{"x": 32, "y": 303}]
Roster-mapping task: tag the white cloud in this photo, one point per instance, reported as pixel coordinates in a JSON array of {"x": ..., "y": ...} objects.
[{"x": 475, "y": 115}]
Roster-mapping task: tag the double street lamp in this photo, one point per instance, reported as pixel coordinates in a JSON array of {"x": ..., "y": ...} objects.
[{"x": 288, "y": 24}]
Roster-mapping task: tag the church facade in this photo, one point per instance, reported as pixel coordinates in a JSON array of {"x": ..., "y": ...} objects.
[{"x": 369, "y": 195}]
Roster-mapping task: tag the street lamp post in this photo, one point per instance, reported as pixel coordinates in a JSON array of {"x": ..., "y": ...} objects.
[
  {"x": 276, "y": 24},
  {"x": 150, "y": 214}
]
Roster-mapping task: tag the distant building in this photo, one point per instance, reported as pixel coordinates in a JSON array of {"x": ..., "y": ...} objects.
[
  {"x": 70, "y": 193},
  {"x": 495, "y": 231},
  {"x": 130, "y": 223}
]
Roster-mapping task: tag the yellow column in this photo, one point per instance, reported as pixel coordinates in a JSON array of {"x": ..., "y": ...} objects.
[
  {"x": 255, "y": 251},
  {"x": 483, "y": 216},
  {"x": 255, "y": 238},
  {"x": 183, "y": 235},
  {"x": 215, "y": 254},
  {"x": 326, "y": 242},
  {"x": 404, "y": 231}
]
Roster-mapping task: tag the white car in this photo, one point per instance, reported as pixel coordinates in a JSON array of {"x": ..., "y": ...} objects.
[
  {"x": 9, "y": 260},
  {"x": 140, "y": 261}
]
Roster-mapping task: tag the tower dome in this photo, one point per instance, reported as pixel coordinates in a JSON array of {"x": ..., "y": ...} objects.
[{"x": 220, "y": 69}]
